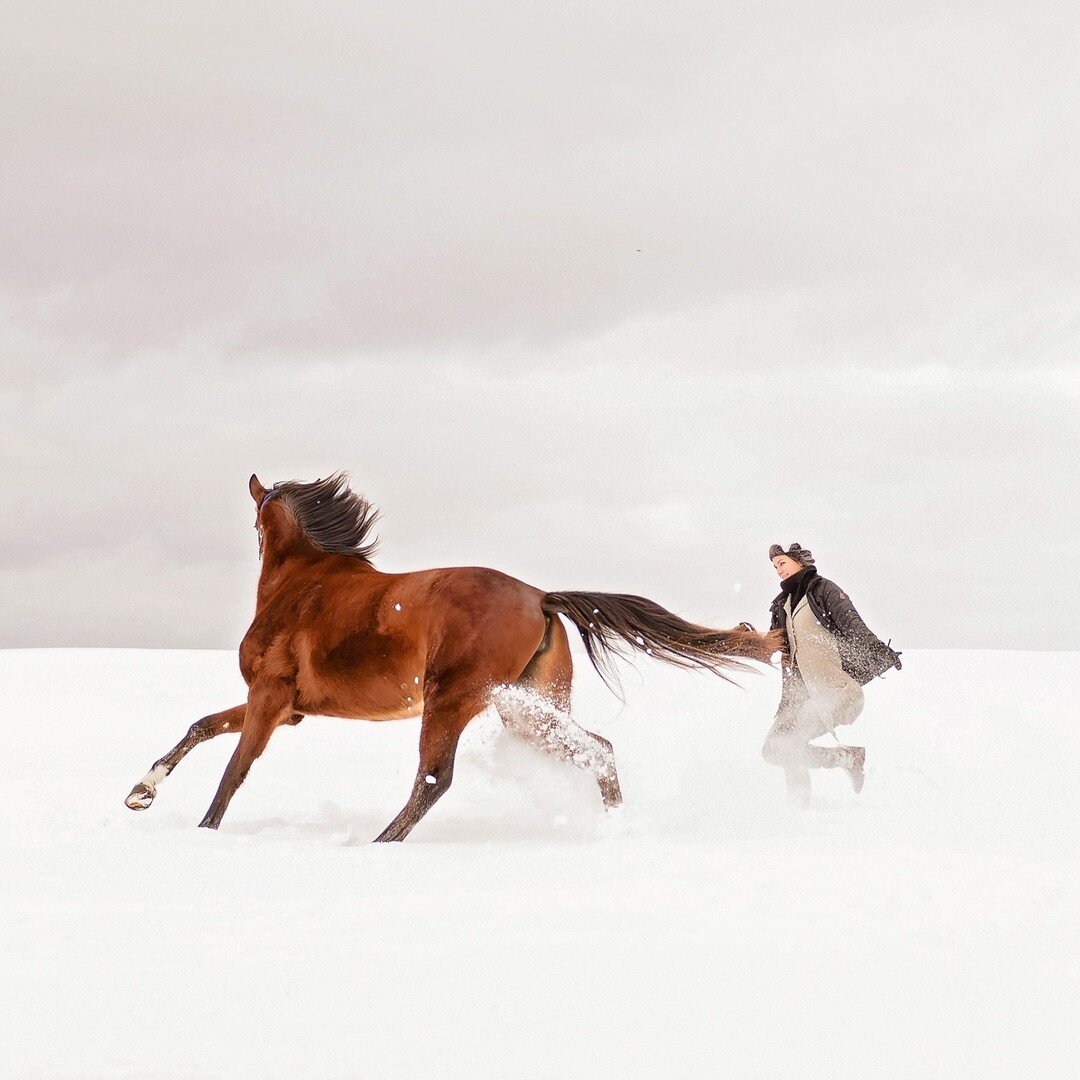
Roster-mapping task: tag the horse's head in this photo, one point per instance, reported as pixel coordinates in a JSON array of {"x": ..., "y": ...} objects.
[
  {"x": 262, "y": 496},
  {"x": 321, "y": 516}
]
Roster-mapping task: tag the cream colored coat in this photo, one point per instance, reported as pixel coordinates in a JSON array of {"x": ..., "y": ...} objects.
[{"x": 833, "y": 694}]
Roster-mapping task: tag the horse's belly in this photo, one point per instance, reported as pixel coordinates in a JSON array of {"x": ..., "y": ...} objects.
[
  {"x": 360, "y": 679},
  {"x": 373, "y": 714},
  {"x": 344, "y": 702}
]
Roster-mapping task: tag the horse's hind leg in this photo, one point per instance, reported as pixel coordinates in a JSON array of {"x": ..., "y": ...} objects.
[
  {"x": 227, "y": 722},
  {"x": 530, "y": 714},
  {"x": 537, "y": 707}
]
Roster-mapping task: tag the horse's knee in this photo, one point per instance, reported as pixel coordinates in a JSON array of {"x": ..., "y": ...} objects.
[{"x": 208, "y": 727}]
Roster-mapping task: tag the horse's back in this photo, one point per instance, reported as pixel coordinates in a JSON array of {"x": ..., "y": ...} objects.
[{"x": 469, "y": 616}]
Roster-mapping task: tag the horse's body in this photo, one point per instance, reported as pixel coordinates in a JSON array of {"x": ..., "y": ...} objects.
[
  {"x": 363, "y": 644},
  {"x": 333, "y": 636}
]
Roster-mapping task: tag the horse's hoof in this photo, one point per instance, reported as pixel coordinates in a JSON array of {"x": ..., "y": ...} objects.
[{"x": 140, "y": 798}]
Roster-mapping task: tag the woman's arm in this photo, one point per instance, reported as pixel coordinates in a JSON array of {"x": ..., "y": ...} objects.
[
  {"x": 871, "y": 655},
  {"x": 841, "y": 611}
]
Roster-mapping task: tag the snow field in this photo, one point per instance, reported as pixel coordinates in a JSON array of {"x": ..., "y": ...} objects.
[{"x": 925, "y": 927}]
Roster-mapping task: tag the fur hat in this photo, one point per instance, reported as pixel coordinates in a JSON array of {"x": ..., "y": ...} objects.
[{"x": 796, "y": 552}]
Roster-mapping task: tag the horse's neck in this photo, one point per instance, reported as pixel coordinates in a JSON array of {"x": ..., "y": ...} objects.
[
  {"x": 271, "y": 577},
  {"x": 279, "y": 564},
  {"x": 282, "y": 566}
]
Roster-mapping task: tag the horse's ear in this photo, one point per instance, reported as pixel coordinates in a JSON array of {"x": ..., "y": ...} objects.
[{"x": 258, "y": 492}]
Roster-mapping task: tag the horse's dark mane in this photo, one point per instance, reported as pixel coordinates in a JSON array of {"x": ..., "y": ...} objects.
[{"x": 334, "y": 518}]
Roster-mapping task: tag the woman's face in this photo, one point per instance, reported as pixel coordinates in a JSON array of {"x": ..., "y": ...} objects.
[{"x": 786, "y": 566}]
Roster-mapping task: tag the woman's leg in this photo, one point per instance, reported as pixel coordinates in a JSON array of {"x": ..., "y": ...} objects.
[
  {"x": 804, "y": 716},
  {"x": 837, "y": 705},
  {"x": 794, "y": 725}
]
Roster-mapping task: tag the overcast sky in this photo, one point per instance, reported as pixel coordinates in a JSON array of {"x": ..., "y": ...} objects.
[{"x": 608, "y": 296}]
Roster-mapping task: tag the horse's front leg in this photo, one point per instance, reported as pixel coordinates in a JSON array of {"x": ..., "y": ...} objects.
[
  {"x": 270, "y": 703},
  {"x": 142, "y": 794}
]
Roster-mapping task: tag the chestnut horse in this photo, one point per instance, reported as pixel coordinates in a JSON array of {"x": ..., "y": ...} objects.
[{"x": 333, "y": 636}]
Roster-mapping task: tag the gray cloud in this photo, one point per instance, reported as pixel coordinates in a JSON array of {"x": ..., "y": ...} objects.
[{"x": 328, "y": 179}]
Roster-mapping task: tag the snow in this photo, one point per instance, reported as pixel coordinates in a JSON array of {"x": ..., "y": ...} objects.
[{"x": 927, "y": 927}]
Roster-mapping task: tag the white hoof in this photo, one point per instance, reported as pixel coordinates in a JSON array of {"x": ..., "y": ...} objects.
[{"x": 140, "y": 798}]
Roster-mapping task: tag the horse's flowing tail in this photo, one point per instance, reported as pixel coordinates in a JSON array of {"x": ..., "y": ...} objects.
[{"x": 611, "y": 624}]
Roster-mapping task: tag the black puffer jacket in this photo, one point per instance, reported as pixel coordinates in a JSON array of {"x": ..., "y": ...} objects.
[{"x": 862, "y": 655}]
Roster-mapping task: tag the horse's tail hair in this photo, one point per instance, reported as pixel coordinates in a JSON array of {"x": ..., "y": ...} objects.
[{"x": 612, "y": 624}]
